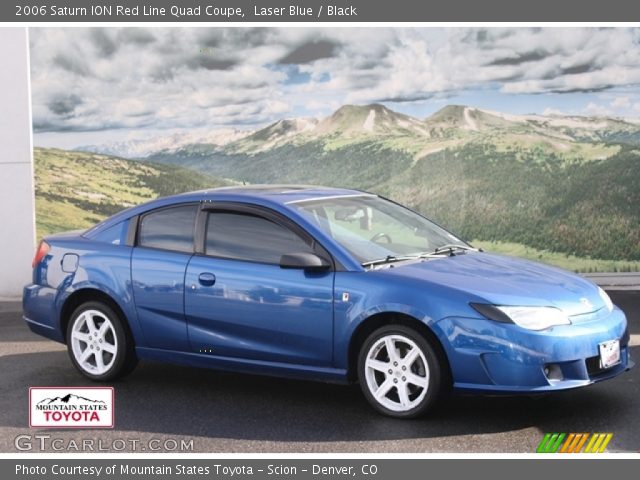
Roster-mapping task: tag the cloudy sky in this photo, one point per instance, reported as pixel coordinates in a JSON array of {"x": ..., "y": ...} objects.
[{"x": 98, "y": 85}]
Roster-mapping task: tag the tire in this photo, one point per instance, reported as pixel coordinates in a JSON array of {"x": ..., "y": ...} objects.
[
  {"x": 98, "y": 343},
  {"x": 405, "y": 384}
]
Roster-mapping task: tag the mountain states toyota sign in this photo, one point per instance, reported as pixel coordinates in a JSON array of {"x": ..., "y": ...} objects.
[{"x": 71, "y": 407}]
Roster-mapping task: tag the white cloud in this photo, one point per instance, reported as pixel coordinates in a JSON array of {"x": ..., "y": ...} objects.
[
  {"x": 621, "y": 102},
  {"x": 168, "y": 78},
  {"x": 94, "y": 79},
  {"x": 597, "y": 109},
  {"x": 552, "y": 111}
]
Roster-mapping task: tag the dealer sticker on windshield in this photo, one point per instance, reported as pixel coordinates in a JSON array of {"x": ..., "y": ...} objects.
[{"x": 609, "y": 353}]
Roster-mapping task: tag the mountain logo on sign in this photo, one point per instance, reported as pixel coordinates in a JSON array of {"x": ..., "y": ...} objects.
[
  {"x": 71, "y": 408},
  {"x": 68, "y": 399}
]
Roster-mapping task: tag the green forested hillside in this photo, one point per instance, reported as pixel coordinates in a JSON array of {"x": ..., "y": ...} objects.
[
  {"x": 76, "y": 190},
  {"x": 563, "y": 189},
  {"x": 586, "y": 209},
  {"x": 531, "y": 197}
]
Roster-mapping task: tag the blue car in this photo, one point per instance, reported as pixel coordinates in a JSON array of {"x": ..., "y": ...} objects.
[{"x": 319, "y": 283}]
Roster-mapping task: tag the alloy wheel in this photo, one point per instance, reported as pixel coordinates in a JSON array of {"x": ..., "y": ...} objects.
[
  {"x": 94, "y": 342},
  {"x": 397, "y": 373}
]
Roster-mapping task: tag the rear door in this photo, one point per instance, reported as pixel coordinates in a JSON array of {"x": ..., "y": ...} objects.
[
  {"x": 240, "y": 303},
  {"x": 164, "y": 245}
]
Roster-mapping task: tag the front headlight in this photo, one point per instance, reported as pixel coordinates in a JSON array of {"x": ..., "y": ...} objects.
[
  {"x": 531, "y": 318},
  {"x": 535, "y": 318},
  {"x": 605, "y": 298}
]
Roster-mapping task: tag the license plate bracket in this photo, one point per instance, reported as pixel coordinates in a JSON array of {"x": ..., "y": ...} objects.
[{"x": 609, "y": 353}]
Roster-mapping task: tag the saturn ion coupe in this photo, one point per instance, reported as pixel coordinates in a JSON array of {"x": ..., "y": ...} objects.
[{"x": 324, "y": 284}]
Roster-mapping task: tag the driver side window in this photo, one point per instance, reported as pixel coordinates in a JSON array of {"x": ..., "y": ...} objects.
[{"x": 242, "y": 236}]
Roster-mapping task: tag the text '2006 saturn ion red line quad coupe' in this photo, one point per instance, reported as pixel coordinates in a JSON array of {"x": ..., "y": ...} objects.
[{"x": 319, "y": 283}]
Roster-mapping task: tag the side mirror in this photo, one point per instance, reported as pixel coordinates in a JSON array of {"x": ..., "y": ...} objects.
[{"x": 304, "y": 261}]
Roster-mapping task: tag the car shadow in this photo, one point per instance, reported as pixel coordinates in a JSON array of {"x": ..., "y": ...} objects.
[{"x": 174, "y": 400}]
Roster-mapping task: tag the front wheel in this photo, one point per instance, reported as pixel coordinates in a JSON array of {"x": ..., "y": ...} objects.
[
  {"x": 399, "y": 372},
  {"x": 98, "y": 344}
]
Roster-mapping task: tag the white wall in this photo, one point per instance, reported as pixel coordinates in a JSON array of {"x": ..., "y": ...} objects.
[{"x": 17, "y": 216}]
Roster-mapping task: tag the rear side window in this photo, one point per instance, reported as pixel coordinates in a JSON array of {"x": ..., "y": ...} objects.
[
  {"x": 115, "y": 235},
  {"x": 251, "y": 238},
  {"x": 169, "y": 229}
]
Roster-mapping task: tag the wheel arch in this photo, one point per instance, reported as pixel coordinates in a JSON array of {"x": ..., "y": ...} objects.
[
  {"x": 377, "y": 320},
  {"x": 90, "y": 294}
]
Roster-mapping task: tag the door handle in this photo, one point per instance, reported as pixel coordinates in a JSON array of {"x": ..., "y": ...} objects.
[{"x": 207, "y": 279}]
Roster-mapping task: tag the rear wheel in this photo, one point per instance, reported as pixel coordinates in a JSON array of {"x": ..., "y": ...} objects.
[
  {"x": 98, "y": 344},
  {"x": 399, "y": 372}
]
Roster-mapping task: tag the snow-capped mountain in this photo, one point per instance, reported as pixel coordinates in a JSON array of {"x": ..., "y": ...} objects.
[
  {"x": 143, "y": 147},
  {"x": 451, "y": 126}
]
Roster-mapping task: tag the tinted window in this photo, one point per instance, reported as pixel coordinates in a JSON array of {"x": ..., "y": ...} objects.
[
  {"x": 115, "y": 235},
  {"x": 169, "y": 229},
  {"x": 251, "y": 238},
  {"x": 373, "y": 228}
]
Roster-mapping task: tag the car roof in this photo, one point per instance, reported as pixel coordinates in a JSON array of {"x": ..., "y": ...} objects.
[
  {"x": 282, "y": 194},
  {"x": 260, "y": 194}
]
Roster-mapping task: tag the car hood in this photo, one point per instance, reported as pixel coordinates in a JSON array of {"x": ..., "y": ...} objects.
[{"x": 503, "y": 280}]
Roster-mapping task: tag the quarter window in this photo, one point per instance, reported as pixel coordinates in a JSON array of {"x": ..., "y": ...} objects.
[
  {"x": 114, "y": 235},
  {"x": 248, "y": 237},
  {"x": 169, "y": 229}
]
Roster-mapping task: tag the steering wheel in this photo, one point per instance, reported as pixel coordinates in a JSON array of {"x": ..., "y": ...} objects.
[{"x": 380, "y": 236}]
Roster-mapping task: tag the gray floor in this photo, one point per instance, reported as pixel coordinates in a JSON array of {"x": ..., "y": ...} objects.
[{"x": 233, "y": 413}]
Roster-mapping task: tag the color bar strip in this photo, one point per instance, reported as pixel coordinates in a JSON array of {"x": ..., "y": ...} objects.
[
  {"x": 556, "y": 446},
  {"x": 591, "y": 442},
  {"x": 578, "y": 437},
  {"x": 582, "y": 442},
  {"x": 605, "y": 442},
  {"x": 565, "y": 447},
  {"x": 596, "y": 445},
  {"x": 543, "y": 443}
]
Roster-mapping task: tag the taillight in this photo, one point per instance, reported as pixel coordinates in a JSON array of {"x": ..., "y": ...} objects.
[{"x": 42, "y": 250}]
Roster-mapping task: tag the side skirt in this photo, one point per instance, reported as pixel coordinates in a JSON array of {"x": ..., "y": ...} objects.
[{"x": 243, "y": 365}]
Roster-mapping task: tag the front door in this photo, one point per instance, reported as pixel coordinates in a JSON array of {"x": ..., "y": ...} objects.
[{"x": 240, "y": 303}]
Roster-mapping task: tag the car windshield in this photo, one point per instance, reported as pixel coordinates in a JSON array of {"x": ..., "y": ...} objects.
[{"x": 373, "y": 229}]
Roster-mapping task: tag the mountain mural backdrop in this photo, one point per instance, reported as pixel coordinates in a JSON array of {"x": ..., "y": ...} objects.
[{"x": 560, "y": 189}]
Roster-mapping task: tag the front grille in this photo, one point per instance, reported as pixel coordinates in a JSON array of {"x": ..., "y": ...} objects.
[{"x": 593, "y": 366}]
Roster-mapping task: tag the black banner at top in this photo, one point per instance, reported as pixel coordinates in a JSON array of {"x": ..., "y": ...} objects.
[{"x": 98, "y": 11}]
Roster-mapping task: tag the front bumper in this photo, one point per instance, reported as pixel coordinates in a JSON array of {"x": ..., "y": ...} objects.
[{"x": 494, "y": 357}]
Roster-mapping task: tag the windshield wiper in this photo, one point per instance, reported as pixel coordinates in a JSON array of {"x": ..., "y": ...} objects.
[
  {"x": 394, "y": 258},
  {"x": 387, "y": 259},
  {"x": 437, "y": 253},
  {"x": 451, "y": 247}
]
